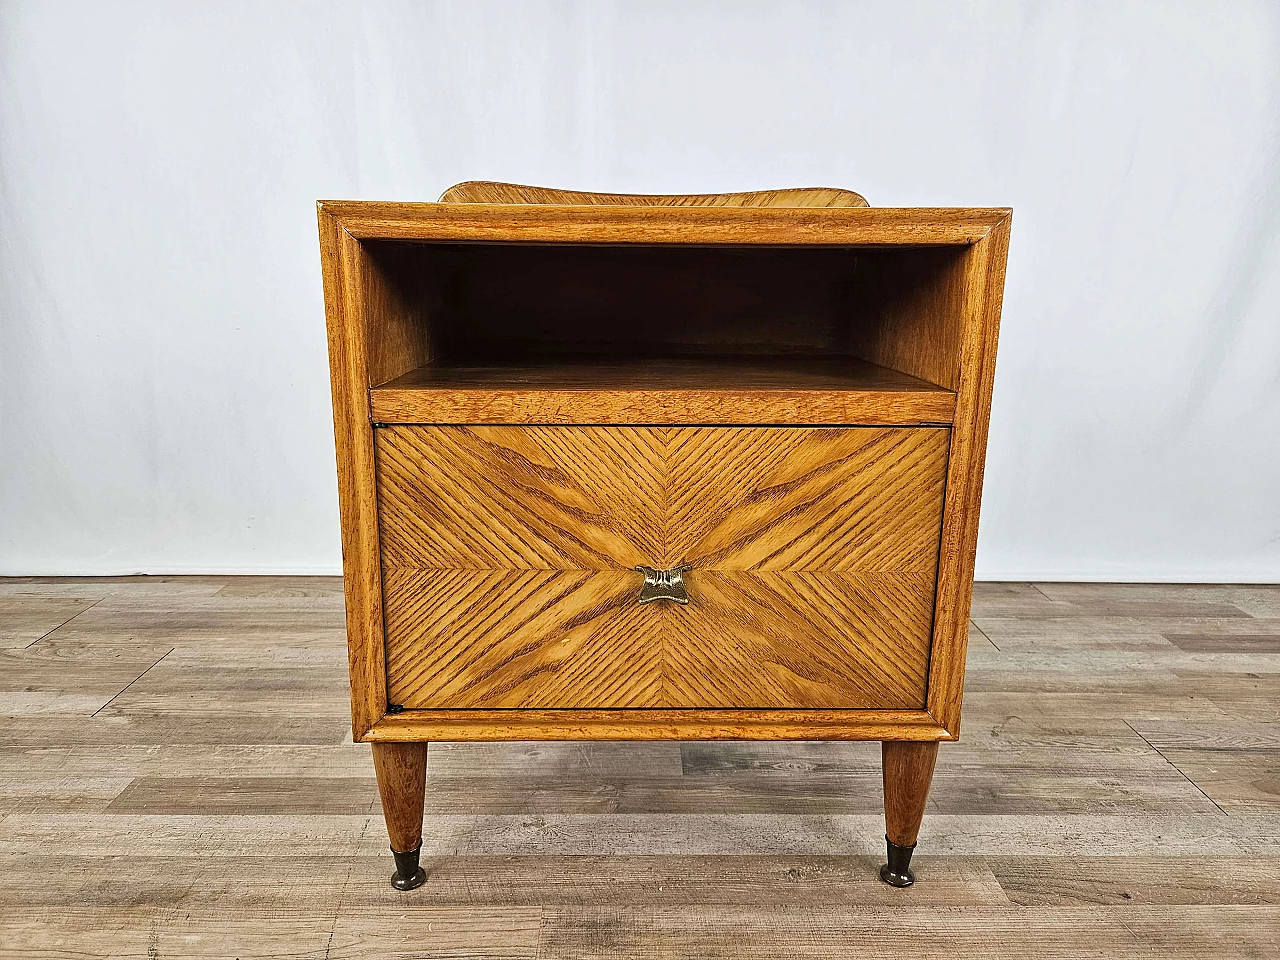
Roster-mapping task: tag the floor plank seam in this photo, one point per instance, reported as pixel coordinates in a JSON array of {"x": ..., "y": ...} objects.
[
  {"x": 63, "y": 624},
  {"x": 974, "y": 624},
  {"x": 346, "y": 884},
  {"x": 130, "y": 684},
  {"x": 1176, "y": 767}
]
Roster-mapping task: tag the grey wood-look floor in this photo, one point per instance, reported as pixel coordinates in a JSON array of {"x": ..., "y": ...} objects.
[{"x": 176, "y": 780}]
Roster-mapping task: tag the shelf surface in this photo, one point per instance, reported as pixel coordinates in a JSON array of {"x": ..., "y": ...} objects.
[{"x": 776, "y": 390}]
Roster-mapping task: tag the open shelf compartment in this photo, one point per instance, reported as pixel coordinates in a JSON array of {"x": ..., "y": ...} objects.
[{"x": 634, "y": 333}]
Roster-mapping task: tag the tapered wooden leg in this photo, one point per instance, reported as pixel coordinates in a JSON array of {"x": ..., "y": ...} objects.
[
  {"x": 908, "y": 770},
  {"x": 402, "y": 782}
]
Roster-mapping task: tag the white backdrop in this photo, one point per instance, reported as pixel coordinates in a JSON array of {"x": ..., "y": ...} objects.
[{"x": 164, "y": 397}]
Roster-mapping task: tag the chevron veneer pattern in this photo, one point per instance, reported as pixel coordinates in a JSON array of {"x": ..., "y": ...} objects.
[{"x": 507, "y": 559}]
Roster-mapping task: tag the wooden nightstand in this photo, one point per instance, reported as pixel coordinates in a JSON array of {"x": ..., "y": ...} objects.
[{"x": 655, "y": 468}]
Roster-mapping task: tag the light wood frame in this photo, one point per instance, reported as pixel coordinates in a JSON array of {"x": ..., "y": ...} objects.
[{"x": 354, "y": 291}]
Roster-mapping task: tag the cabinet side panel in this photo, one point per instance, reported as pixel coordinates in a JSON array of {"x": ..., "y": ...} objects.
[
  {"x": 353, "y": 438},
  {"x": 402, "y": 289},
  {"x": 907, "y": 311},
  {"x": 984, "y": 292}
]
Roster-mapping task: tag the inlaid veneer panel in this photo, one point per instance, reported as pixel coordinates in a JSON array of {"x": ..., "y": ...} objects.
[{"x": 508, "y": 556}]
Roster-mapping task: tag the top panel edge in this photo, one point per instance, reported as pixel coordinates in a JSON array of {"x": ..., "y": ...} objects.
[{"x": 556, "y": 223}]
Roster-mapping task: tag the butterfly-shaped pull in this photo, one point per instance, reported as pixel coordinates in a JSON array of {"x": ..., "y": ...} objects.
[{"x": 664, "y": 584}]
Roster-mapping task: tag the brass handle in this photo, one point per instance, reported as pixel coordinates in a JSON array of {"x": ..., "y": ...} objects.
[{"x": 664, "y": 584}]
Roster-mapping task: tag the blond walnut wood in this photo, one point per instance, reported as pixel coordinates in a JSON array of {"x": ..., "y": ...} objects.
[
  {"x": 912, "y": 310},
  {"x": 490, "y": 191},
  {"x": 401, "y": 769},
  {"x": 984, "y": 269},
  {"x": 508, "y": 556},
  {"x": 342, "y": 260},
  {"x": 907, "y": 771},
  {"x": 550, "y": 223},
  {"x": 656, "y": 724},
  {"x": 396, "y": 310},
  {"x": 915, "y": 290},
  {"x": 764, "y": 390}
]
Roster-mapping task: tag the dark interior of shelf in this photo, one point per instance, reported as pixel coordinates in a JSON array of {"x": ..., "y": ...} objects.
[{"x": 674, "y": 313}]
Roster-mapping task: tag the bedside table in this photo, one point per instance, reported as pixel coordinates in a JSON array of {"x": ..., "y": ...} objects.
[{"x": 627, "y": 467}]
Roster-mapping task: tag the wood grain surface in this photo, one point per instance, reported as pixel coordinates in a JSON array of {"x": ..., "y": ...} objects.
[
  {"x": 347, "y": 303},
  {"x": 979, "y": 323},
  {"x": 804, "y": 390},
  {"x": 176, "y": 779},
  {"x": 490, "y": 191},
  {"x": 401, "y": 769},
  {"x": 504, "y": 286},
  {"x": 509, "y": 557},
  {"x": 551, "y": 223},
  {"x": 906, "y": 772},
  {"x": 657, "y": 724}
]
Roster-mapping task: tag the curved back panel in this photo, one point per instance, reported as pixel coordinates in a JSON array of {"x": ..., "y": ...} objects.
[{"x": 489, "y": 191}]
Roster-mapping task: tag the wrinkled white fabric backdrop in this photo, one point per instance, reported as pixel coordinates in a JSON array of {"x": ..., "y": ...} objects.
[{"x": 164, "y": 400}]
